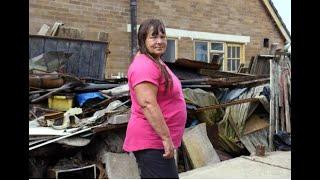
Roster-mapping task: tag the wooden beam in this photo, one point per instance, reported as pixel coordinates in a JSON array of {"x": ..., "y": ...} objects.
[
  {"x": 243, "y": 84},
  {"x": 217, "y": 73},
  {"x": 286, "y": 105},
  {"x": 272, "y": 112},
  {"x": 54, "y": 28},
  {"x": 216, "y": 106},
  {"x": 43, "y": 30}
]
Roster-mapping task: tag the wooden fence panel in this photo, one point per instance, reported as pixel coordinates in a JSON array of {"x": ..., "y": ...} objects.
[{"x": 87, "y": 60}]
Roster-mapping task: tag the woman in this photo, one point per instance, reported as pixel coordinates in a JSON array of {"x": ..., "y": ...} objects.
[{"x": 158, "y": 111}]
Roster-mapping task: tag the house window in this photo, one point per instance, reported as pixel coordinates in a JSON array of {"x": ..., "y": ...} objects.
[
  {"x": 233, "y": 57},
  {"x": 201, "y": 51},
  {"x": 217, "y": 53},
  {"x": 228, "y": 55},
  {"x": 170, "y": 54},
  {"x": 217, "y": 46}
]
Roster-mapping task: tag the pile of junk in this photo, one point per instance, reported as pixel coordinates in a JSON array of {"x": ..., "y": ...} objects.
[{"x": 77, "y": 124}]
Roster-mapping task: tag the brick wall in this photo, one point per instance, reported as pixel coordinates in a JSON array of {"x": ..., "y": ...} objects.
[
  {"x": 185, "y": 48},
  {"x": 111, "y": 16},
  {"x": 239, "y": 17}
]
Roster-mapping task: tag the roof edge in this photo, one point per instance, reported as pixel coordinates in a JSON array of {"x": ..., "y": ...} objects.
[{"x": 277, "y": 18}]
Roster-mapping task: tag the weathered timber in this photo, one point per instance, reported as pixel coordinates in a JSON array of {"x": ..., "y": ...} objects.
[
  {"x": 43, "y": 30},
  {"x": 216, "y": 106},
  {"x": 193, "y": 64},
  {"x": 272, "y": 104}
]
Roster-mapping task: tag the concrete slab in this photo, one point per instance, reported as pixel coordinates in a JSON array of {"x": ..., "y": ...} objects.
[
  {"x": 273, "y": 165},
  {"x": 121, "y": 166},
  {"x": 277, "y": 158}
]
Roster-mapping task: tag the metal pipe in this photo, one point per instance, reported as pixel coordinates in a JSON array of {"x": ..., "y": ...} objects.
[{"x": 133, "y": 16}]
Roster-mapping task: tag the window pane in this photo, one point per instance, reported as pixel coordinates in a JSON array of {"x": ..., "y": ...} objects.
[
  {"x": 233, "y": 54},
  {"x": 169, "y": 55},
  {"x": 237, "y": 64},
  {"x": 229, "y": 52},
  {"x": 238, "y": 52},
  {"x": 229, "y": 65},
  {"x": 217, "y": 46},
  {"x": 233, "y": 65},
  {"x": 201, "y": 51}
]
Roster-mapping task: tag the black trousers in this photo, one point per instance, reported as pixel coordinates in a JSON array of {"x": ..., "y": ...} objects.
[{"x": 152, "y": 165}]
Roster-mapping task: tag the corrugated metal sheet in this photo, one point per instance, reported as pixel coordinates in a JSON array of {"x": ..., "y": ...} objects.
[{"x": 238, "y": 115}]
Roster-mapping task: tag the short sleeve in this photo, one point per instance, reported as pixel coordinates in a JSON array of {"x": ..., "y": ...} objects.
[{"x": 144, "y": 70}]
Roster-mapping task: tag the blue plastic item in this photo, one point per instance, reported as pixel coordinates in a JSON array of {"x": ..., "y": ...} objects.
[{"x": 83, "y": 97}]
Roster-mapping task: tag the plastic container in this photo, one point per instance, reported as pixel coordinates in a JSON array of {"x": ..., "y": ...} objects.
[{"x": 60, "y": 102}]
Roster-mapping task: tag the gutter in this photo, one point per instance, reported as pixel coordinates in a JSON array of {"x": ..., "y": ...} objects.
[{"x": 133, "y": 18}]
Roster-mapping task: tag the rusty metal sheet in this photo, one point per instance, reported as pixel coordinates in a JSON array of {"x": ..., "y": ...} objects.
[{"x": 193, "y": 64}]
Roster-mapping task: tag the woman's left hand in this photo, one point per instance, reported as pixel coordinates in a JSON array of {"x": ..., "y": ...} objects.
[{"x": 168, "y": 148}]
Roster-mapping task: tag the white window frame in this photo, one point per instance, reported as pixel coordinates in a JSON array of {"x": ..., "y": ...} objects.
[
  {"x": 209, "y": 49},
  {"x": 194, "y": 49},
  {"x": 175, "y": 46}
]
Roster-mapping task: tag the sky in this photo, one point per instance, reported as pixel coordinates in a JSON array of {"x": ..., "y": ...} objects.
[{"x": 284, "y": 9}]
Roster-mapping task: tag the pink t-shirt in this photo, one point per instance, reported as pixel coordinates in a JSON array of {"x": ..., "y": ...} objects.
[{"x": 140, "y": 134}]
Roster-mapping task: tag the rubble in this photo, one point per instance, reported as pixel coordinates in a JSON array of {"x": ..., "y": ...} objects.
[
  {"x": 199, "y": 149},
  {"x": 229, "y": 114}
]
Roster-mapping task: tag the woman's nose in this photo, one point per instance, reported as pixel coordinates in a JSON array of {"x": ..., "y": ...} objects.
[{"x": 159, "y": 40}]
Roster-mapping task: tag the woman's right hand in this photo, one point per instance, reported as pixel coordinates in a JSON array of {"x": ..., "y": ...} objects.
[{"x": 168, "y": 148}]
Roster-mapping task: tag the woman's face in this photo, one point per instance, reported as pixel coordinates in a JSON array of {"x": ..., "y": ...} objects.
[{"x": 156, "y": 44}]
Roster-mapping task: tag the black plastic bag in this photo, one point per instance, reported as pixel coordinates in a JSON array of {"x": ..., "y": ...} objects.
[{"x": 282, "y": 141}]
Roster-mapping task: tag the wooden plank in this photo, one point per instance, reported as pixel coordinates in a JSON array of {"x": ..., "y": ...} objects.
[
  {"x": 50, "y": 45},
  {"x": 94, "y": 66},
  {"x": 272, "y": 112},
  {"x": 73, "y": 64},
  {"x": 95, "y": 61},
  {"x": 217, "y": 73},
  {"x": 54, "y": 28},
  {"x": 102, "y": 64},
  {"x": 43, "y": 30},
  {"x": 281, "y": 100},
  {"x": 84, "y": 61},
  {"x": 254, "y": 123},
  {"x": 216, "y": 106},
  {"x": 250, "y": 64},
  {"x": 63, "y": 45},
  {"x": 287, "y": 106},
  {"x": 282, "y": 119},
  {"x": 250, "y": 141},
  {"x": 250, "y": 83},
  {"x": 68, "y": 32},
  {"x": 276, "y": 91},
  {"x": 64, "y": 38},
  {"x": 193, "y": 64},
  {"x": 253, "y": 65}
]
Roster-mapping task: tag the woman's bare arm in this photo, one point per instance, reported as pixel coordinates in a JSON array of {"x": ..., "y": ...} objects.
[{"x": 147, "y": 98}]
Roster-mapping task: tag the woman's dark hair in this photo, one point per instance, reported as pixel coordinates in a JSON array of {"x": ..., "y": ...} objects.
[{"x": 144, "y": 28}]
